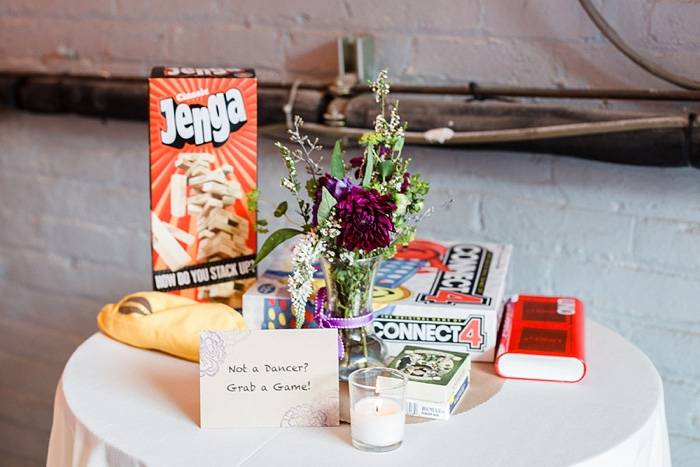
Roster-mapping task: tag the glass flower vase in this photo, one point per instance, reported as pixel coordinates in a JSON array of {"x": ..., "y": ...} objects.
[{"x": 349, "y": 288}]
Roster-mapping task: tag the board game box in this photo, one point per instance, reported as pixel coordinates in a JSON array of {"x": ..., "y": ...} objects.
[
  {"x": 445, "y": 296},
  {"x": 203, "y": 161}
]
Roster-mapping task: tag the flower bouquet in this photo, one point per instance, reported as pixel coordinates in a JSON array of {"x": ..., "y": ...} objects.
[{"x": 352, "y": 217}]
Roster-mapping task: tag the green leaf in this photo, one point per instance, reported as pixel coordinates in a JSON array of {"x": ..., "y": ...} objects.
[
  {"x": 260, "y": 229},
  {"x": 311, "y": 187},
  {"x": 327, "y": 203},
  {"x": 252, "y": 199},
  {"x": 273, "y": 241},
  {"x": 369, "y": 166},
  {"x": 281, "y": 209},
  {"x": 398, "y": 146},
  {"x": 337, "y": 166},
  {"x": 386, "y": 168}
]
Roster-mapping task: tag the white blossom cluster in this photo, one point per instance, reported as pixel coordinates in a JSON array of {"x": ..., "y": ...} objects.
[
  {"x": 347, "y": 257},
  {"x": 391, "y": 128},
  {"x": 330, "y": 229},
  {"x": 300, "y": 282},
  {"x": 381, "y": 87},
  {"x": 286, "y": 183},
  {"x": 291, "y": 183}
]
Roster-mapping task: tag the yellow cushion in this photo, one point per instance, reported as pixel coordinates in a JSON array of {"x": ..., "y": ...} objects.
[{"x": 166, "y": 322}]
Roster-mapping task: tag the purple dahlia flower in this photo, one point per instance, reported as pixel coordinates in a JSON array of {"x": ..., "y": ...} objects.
[
  {"x": 366, "y": 219},
  {"x": 406, "y": 182},
  {"x": 357, "y": 162}
]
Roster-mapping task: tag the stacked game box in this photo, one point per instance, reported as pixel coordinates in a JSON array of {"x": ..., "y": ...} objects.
[
  {"x": 203, "y": 160},
  {"x": 434, "y": 295},
  {"x": 437, "y": 380}
]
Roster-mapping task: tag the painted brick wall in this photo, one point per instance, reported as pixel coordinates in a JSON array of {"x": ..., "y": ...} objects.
[
  {"x": 74, "y": 192},
  {"x": 515, "y": 42}
]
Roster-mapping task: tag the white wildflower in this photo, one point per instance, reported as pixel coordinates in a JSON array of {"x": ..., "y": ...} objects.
[
  {"x": 381, "y": 86},
  {"x": 381, "y": 125},
  {"x": 392, "y": 128},
  {"x": 395, "y": 126},
  {"x": 304, "y": 253},
  {"x": 347, "y": 257},
  {"x": 288, "y": 185},
  {"x": 330, "y": 229}
]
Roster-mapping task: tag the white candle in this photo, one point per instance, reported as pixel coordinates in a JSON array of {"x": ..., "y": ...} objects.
[{"x": 377, "y": 421}]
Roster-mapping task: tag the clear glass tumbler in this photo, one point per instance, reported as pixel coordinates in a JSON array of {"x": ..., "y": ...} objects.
[{"x": 377, "y": 408}]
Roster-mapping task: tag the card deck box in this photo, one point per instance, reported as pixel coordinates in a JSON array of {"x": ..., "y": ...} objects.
[
  {"x": 445, "y": 296},
  {"x": 203, "y": 161},
  {"x": 437, "y": 380}
]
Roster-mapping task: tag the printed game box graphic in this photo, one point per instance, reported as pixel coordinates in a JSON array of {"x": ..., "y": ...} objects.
[
  {"x": 437, "y": 380},
  {"x": 542, "y": 338},
  {"x": 441, "y": 296},
  {"x": 203, "y": 161}
]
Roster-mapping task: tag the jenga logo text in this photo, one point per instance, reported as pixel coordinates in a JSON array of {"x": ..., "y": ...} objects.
[{"x": 196, "y": 124}]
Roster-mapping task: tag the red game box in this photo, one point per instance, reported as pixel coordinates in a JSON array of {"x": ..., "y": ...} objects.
[
  {"x": 542, "y": 338},
  {"x": 203, "y": 161}
]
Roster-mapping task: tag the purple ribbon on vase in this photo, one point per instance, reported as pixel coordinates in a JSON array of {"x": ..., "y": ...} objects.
[{"x": 325, "y": 321}]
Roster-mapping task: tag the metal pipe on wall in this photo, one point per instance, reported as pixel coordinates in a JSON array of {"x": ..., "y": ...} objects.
[{"x": 613, "y": 136}]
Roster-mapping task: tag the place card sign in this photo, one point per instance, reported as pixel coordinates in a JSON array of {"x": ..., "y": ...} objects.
[{"x": 268, "y": 378}]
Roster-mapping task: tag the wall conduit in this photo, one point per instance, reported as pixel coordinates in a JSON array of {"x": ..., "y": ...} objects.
[{"x": 605, "y": 135}]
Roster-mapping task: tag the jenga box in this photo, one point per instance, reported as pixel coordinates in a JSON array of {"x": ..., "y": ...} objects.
[
  {"x": 440, "y": 296},
  {"x": 203, "y": 154}
]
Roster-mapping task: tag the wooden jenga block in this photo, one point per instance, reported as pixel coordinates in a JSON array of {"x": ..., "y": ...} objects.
[
  {"x": 167, "y": 246},
  {"x": 202, "y": 293},
  {"x": 205, "y": 157},
  {"x": 218, "y": 224},
  {"x": 185, "y": 160},
  {"x": 209, "y": 177},
  {"x": 184, "y": 237},
  {"x": 223, "y": 238},
  {"x": 204, "y": 249},
  {"x": 199, "y": 199},
  {"x": 215, "y": 188},
  {"x": 197, "y": 170},
  {"x": 214, "y": 203},
  {"x": 205, "y": 233},
  {"x": 223, "y": 289},
  {"x": 232, "y": 218},
  {"x": 178, "y": 192},
  {"x": 228, "y": 200},
  {"x": 234, "y": 189}
]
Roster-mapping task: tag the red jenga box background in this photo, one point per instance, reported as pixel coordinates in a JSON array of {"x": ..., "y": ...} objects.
[{"x": 203, "y": 154}]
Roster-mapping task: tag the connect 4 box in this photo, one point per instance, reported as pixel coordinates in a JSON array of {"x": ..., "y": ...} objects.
[
  {"x": 203, "y": 160},
  {"x": 441, "y": 296}
]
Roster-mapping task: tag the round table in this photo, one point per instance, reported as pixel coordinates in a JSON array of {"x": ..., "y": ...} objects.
[{"x": 118, "y": 405}]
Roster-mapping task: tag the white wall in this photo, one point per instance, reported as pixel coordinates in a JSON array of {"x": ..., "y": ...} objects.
[
  {"x": 519, "y": 42},
  {"x": 74, "y": 191}
]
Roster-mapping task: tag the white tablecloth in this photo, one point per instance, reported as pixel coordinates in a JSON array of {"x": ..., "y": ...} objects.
[{"x": 120, "y": 406}]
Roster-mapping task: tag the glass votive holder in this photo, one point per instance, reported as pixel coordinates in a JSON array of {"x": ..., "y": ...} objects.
[{"x": 377, "y": 410}]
